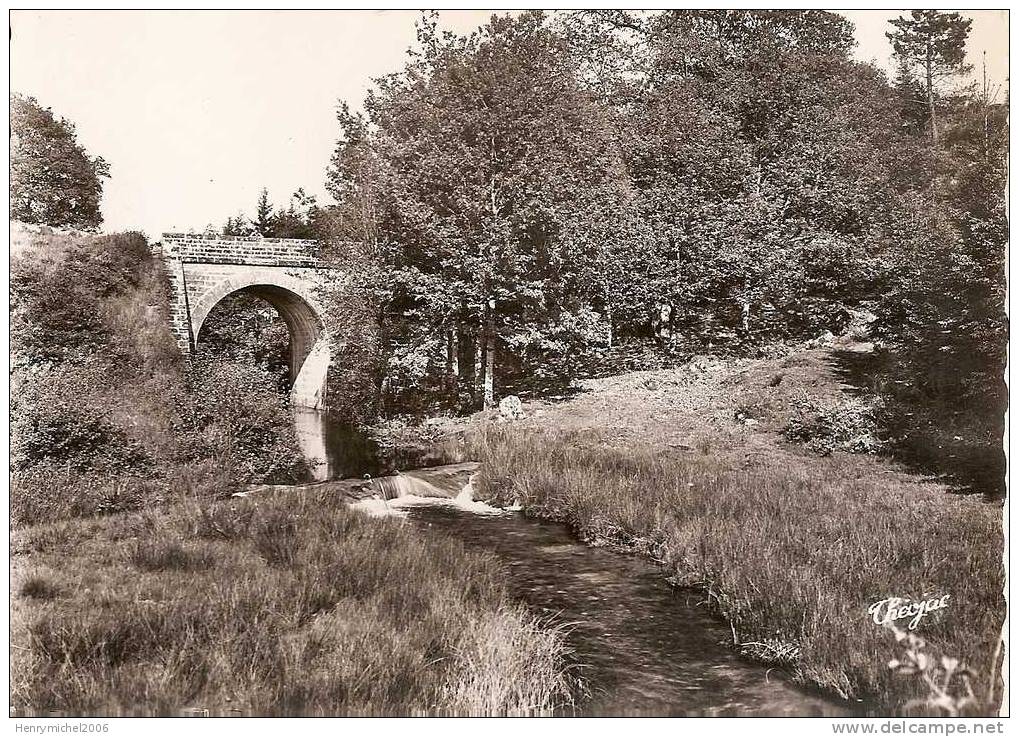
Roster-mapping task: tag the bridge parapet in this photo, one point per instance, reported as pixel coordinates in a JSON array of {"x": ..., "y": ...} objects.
[{"x": 248, "y": 250}]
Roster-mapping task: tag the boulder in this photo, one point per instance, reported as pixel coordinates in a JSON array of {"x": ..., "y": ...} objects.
[{"x": 511, "y": 408}]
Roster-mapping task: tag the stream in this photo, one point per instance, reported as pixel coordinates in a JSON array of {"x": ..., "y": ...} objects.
[{"x": 644, "y": 647}]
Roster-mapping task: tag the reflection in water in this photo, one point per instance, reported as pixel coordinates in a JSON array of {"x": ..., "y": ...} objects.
[
  {"x": 334, "y": 450},
  {"x": 311, "y": 437}
]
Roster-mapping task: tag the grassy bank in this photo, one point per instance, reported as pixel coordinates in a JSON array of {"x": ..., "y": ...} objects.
[
  {"x": 691, "y": 466},
  {"x": 791, "y": 556},
  {"x": 291, "y": 604}
]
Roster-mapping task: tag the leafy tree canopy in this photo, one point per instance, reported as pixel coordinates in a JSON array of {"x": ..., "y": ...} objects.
[{"x": 54, "y": 181}]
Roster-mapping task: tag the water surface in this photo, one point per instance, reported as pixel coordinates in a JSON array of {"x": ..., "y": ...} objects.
[{"x": 646, "y": 648}]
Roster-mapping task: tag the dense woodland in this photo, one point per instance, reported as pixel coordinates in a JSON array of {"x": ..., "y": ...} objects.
[
  {"x": 524, "y": 202},
  {"x": 530, "y": 195}
]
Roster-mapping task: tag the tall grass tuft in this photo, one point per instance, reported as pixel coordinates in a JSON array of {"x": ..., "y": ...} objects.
[{"x": 281, "y": 605}]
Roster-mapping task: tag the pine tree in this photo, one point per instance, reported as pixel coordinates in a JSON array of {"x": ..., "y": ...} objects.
[
  {"x": 935, "y": 44},
  {"x": 265, "y": 219}
]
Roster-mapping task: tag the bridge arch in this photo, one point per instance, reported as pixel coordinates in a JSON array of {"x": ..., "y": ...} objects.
[
  {"x": 285, "y": 273},
  {"x": 300, "y": 313}
]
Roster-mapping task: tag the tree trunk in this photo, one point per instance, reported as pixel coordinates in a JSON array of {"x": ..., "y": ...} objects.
[
  {"x": 479, "y": 369},
  {"x": 986, "y": 103},
  {"x": 930, "y": 95},
  {"x": 489, "y": 394},
  {"x": 489, "y": 370},
  {"x": 452, "y": 357},
  {"x": 466, "y": 365},
  {"x": 608, "y": 317}
]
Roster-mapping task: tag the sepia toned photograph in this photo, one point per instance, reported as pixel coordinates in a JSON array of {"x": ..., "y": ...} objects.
[{"x": 508, "y": 363}]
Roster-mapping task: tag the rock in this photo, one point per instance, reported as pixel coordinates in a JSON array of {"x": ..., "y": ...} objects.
[{"x": 510, "y": 408}]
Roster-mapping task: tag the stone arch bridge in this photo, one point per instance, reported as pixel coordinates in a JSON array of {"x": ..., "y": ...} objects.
[{"x": 286, "y": 273}]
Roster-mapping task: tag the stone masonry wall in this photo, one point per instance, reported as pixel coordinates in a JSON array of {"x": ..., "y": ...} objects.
[
  {"x": 190, "y": 260},
  {"x": 248, "y": 250},
  {"x": 287, "y": 273}
]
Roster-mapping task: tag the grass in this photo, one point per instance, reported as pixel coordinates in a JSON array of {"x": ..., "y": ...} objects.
[
  {"x": 791, "y": 554},
  {"x": 691, "y": 466},
  {"x": 282, "y": 605}
]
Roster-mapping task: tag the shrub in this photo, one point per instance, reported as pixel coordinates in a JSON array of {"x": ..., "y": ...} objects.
[
  {"x": 231, "y": 412},
  {"x": 39, "y": 586},
  {"x": 58, "y": 287},
  {"x": 105, "y": 415},
  {"x": 825, "y": 425},
  {"x": 60, "y": 419}
]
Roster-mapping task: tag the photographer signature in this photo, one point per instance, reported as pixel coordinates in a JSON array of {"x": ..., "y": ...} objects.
[{"x": 895, "y": 607}]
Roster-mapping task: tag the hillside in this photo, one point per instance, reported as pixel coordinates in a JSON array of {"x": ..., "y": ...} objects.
[{"x": 106, "y": 416}]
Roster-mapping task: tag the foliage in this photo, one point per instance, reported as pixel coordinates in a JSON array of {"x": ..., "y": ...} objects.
[
  {"x": 54, "y": 181},
  {"x": 736, "y": 165},
  {"x": 942, "y": 313},
  {"x": 761, "y": 161},
  {"x": 354, "y": 391},
  {"x": 949, "y": 682},
  {"x": 930, "y": 44},
  {"x": 59, "y": 287},
  {"x": 848, "y": 424},
  {"x": 60, "y": 420},
  {"x": 301, "y": 218},
  {"x": 509, "y": 246},
  {"x": 231, "y": 412},
  {"x": 105, "y": 416},
  {"x": 247, "y": 329}
]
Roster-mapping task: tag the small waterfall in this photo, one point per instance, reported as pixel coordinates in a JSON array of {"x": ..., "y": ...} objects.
[
  {"x": 401, "y": 485},
  {"x": 394, "y": 495}
]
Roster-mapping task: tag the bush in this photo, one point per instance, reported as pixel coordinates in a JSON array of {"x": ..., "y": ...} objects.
[
  {"x": 106, "y": 417},
  {"x": 829, "y": 424},
  {"x": 60, "y": 419},
  {"x": 231, "y": 412},
  {"x": 59, "y": 285}
]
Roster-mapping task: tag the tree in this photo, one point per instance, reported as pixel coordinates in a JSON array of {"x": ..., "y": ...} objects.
[
  {"x": 300, "y": 219},
  {"x": 54, "y": 181},
  {"x": 264, "y": 221},
  {"x": 495, "y": 176},
  {"x": 935, "y": 44},
  {"x": 239, "y": 225},
  {"x": 760, "y": 157}
]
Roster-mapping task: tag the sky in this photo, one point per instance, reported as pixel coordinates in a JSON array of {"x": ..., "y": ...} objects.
[{"x": 196, "y": 111}]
